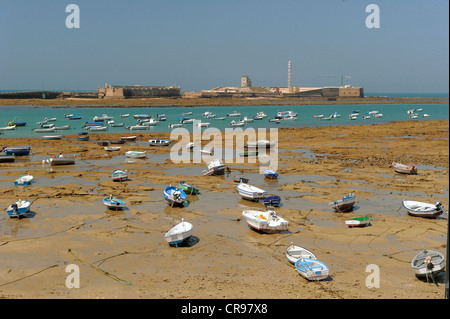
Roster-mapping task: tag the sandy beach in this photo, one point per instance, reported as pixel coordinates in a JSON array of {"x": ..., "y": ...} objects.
[{"x": 123, "y": 254}]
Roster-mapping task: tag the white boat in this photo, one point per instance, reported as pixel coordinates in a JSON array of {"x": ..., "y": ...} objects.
[
  {"x": 201, "y": 124},
  {"x": 141, "y": 116},
  {"x": 24, "y": 180},
  {"x": 294, "y": 253},
  {"x": 428, "y": 263},
  {"x": 189, "y": 121},
  {"x": 186, "y": 113},
  {"x": 137, "y": 127},
  {"x": 247, "y": 120},
  {"x": 112, "y": 148},
  {"x": 52, "y": 119},
  {"x": 283, "y": 114},
  {"x": 208, "y": 151},
  {"x": 8, "y": 128},
  {"x": 251, "y": 192},
  {"x": 360, "y": 221},
  {"x": 117, "y": 124},
  {"x": 104, "y": 117},
  {"x": 378, "y": 115},
  {"x": 44, "y": 130},
  {"x": 259, "y": 144},
  {"x": 425, "y": 115},
  {"x": 190, "y": 146},
  {"x": 215, "y": 167},
  {"x": 179, "y": 234},
  {"x": 124, "y": 115},
  {"x": 265, "y": 221},
  {"x": 237, "y": 124},
  {"x": 96, "y": 128},
  {"x": 113, "y": 203},
  {"x": 312, "y": 269},
  {"x": 426, "y": 210},
  {"x": 318, "y": 116},
  {"x": 150, "y": 122},
  {"x": 328, "y": 118},
  {"x": 175, "y": 125},
  {"x": 60, "y": 128},
  {"x": 234, "y": 114},
  {"x": 136, "y": 154},
  {"x": 119, "y": 175},
  {"x": 51, "y": 137},
  {"x": 18, "y": 208},
  {"x": 261, "y": 114},
  {"x": 290, "y": 118}
]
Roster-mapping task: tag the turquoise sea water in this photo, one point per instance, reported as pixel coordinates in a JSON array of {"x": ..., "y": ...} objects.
[{"x": 391, "y": 112}]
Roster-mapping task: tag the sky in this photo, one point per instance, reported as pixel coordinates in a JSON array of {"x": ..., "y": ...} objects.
[{"x": 203, "y": 44}]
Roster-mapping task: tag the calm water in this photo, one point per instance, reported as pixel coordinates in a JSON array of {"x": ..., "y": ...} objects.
[{"x": 33, "y": 114}]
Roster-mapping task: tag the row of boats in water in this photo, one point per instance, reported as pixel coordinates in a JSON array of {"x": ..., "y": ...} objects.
[{"x": 427, "y": 263}]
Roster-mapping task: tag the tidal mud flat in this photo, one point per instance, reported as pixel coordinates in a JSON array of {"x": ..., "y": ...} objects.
[{"x": 123, "y": 254}]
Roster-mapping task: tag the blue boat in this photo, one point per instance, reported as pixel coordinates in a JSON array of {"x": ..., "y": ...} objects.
[
  {"x": 83, "y": 138},
  {"x": 24, "y": 180},
  {"x": 74, "y": 117},
  {"x": 18, "y": 208},
  {"x": 312, "y": 269},
  {"x": 17, "y": 151},
  {"x": 174, "y": 195},
  {"x": 270, "y": 173},
  {"x": 272, "y": 201},
  {"x": 113, "y": 203}
]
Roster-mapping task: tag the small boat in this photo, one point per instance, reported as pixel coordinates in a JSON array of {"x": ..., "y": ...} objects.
[
  {"x": 312, "y": 269},
  {"x": 272, "y": 201},
  {"x": 104, "y": 117},
  {"x": 428, "y": 263},
  {"x": 174, "y": 195},
  {"x": 404, "y": 169},
  {"x": 277, "y": 121},
  {"x": 117, "y": 142},
  {"x": 44, "y": 130},
  {"x": 251, "y": 192},
  {"x": 188, "y": 188},
  {"x": 136, "y": 154},
  {"x": 60, "y": 128},
  {"x": 426, "y": 210},
  {"x": 294, "y": 253},
  {"x": 247, "y": 119},
  {"x": 318, "y": 116},
  {"x": 74, "y": 117},
  {"x": 208, "y": 151},
  {"x": 190, "y": 146},
  {"x": 24, "y": 180},
  {"x": 141, "y": 116},
  {"x": 7, "y": 158},
  {"x": 124, "y": 115},
  {"x": 344, "y": 204},
  {"x": 186, "y": 113},
  {"x": 8, "y": 128},
  {"x": 51, "y": 137},
  {"x": 119, "y": 175},
  {"x": 17, "y": 151},
  {"x": 187, "y": 121},
  {"x": 290, "y": 118},
  {"x": 128, "y": 138},
  {"x": 97, "y": 128},
  {"x": 237, "y": 124},
  {"x": 219, "y": 118},
  {"x": 113, "y": 203},
  {"x": 158, "y": 142},
  {"x": 270, "y": 173},
  {"x": 55, "y": 161},
  {"x": 17, "y": 123},
  {"x": 18, "y": 208},
  {"x": 328, "y": 118},
  {"x": 283, "y": 114},
  {"x": 259, "y": 144},
  {"x": 150, "y": 122},
  {"x": 179, "y": 234},
  {"x": 137, "y": 127},
  {"x": 360, "y": 221},
  {"x": 215, "y": 167},
  {"x": 112, "y": 148},
  {"x": 175, "y": 125},
  {"x": 83, "y": 138},
  {"x": 265, "y": 221},
  {"x": 366, "y": 117},
  {"x": 201, "y": 124},
  {"x": 234, "y": 114},
  {"x": 378, "y": 115},
  {"x": 181, "y": 119},
  {"x": 247, "y": 154},
  {"x": 116, "y": 124},
  {"x": 240, "y": 179},
  {"x": 257, "y": 118},
  {"x": 261, "y": 114},
  {"x": 425, "y": 115}
]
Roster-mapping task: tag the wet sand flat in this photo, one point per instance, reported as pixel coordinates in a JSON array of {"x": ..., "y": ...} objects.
[{"x": 123, "y": 254}]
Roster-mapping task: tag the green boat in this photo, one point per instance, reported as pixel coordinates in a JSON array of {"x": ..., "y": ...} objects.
[
  {"x": 188, "y": 188},
  {"x": 358, "y": 221},
  {"x": 246, "y": 154}
]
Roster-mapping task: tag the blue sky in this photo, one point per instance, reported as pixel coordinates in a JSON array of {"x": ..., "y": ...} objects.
[{"x": 202, "y": 44}]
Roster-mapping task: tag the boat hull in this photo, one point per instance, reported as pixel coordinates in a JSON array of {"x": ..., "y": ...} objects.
[
  {"x": 21, "y": 208},
  {"x": 294, "y": 253},
  {"x": 264, "y": 222},
  {"x": 179, "y": 234},
  {"x": 114, "y": 203},
  {"x": 61, "y": 161},
  {"x": 312, "y": 269},
  {"x": 188, "y": 189},
  {"x": 420, "y": 266},
  {"x": 250, "y": 192},
  {"x": 17, "y": 151},
  {"x": 425, "y": 210}
]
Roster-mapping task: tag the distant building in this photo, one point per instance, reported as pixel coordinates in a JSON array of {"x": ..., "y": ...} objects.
[
  {"x": 137, "y": 91},
  {"x": 246, "y": 82}
]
